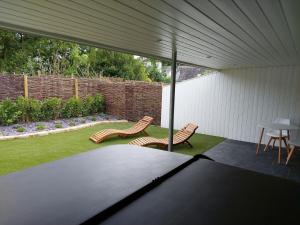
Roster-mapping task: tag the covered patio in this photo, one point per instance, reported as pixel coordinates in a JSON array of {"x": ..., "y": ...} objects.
[{"x": 245, "y": 43}]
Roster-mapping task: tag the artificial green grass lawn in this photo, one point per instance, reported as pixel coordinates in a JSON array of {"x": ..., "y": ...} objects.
[{"x": 19, "y": 154}]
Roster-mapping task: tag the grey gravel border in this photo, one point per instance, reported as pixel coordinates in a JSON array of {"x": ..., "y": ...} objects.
[{"x": 60, "y": 130}]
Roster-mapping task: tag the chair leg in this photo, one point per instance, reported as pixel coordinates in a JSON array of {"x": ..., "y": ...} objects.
[
  {"x": 274, "y": 140},
  {"x": 266, "y": 148},
  {"x": 189, "y": 144},
  {"x": 286, "y": 145},
  {"x": 290, "y": 155}
]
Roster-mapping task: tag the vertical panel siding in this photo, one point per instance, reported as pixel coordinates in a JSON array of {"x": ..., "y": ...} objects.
[{"x": 232, "y": 102}]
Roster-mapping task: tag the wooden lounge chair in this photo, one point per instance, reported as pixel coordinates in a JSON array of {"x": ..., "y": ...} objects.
[
  {"x": 180, "y": 137},
  {"x": 139, "y": 127}
]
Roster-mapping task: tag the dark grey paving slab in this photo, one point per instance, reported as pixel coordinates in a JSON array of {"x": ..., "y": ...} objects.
[
  {"x": 242, "y": 154},
  {"x": 74, "y": 189}
]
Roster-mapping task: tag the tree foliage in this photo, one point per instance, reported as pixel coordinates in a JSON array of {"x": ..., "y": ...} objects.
[
  {"x": 155, "y": 74},
  {"x": 22, "y": 53}
]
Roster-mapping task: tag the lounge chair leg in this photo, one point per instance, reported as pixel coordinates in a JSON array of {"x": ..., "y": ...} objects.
[
  {"x": 266, "y": 148},
  {"x": 189, "y": 144},
  {"x": 145, "y": 133}
]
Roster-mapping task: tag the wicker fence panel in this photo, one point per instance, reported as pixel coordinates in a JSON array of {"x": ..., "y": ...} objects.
[{"x": 126, "y": 99}]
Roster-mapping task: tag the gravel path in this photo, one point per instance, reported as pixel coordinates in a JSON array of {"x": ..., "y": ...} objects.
[{"x": 52, "y": 124}]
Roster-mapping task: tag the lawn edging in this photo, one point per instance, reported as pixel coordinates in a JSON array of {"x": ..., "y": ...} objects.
[{"x": 60, "y": 130}]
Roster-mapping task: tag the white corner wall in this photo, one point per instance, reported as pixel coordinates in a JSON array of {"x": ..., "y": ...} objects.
[{"x": 231, "y": 103}]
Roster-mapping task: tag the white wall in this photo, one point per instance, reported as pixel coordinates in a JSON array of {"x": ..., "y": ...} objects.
[{"x": 232, "y": 102}]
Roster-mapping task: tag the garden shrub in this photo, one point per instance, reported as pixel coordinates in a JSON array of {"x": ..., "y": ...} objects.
[
  {"x": 27, "y": 109},
  {"x": 72, "y": 108},
  {"x": 22, "y": 106},
  {"x": 58, "y": 125},
  {"x": 30, "y": 109},
  {"x": 9, "y": 112},
  {"x": 93, "y": 104},
  {"x": 98, "y": 105},
  {"x": 40, "y": 127},
  {"x": 34, "y": 110},
  {"x": 87, "y": 108},
  {"x": 51, "y": 108},
  {"x": 21, "y": 129}
]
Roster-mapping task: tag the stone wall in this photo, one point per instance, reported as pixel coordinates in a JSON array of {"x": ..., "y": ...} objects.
[{"x": 129, "y": 100}]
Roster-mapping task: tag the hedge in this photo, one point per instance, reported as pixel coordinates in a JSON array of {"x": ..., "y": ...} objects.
[{"x": 28, "y": 109}]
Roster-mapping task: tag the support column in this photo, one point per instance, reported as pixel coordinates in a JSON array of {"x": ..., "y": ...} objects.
[{"x": 172, "y": 98}]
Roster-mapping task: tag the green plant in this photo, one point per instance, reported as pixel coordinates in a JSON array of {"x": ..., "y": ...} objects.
[
  {"x": 93, "y": 118},
  {"x": 51, "y": 108},
  {"x": 30, "y": 109},
  {"x": 40, "y": 127},
  {"x": 27, "y": 109},
  {"x": 72, "y": 108},
  {"x": 155, "y": 75},
  {"x": 58, "y": 125},
  {"x": 9, "y": 112},
  {"x": 34, "y": 110},
  {"x": 87, "y": 105},
  {"x": 98, "y": 105},
  {"x": 21, "y": 129}
]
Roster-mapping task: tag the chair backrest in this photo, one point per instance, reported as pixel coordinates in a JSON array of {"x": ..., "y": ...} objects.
[
  {"x": 185, "y": 133},
  {"x": 142, "y": 123},
  {"x": 286, "y": 121}
]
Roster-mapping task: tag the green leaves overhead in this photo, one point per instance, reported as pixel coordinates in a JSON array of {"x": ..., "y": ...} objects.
[{"x": 22, "y": 53}]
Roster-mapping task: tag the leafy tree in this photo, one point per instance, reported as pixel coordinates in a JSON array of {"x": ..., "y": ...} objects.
[
  {"x": 155, "y": 74},
  {"x": 115, "y": 64},
  {"x": 23, "y": 53}
]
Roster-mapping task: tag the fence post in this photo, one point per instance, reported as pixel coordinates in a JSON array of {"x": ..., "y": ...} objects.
[
  {"x": 25, "y": 86},
  {"x": 76, "y": 88}
]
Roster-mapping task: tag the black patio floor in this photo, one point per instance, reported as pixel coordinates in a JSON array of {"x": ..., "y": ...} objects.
[{"x": 242, "y": 154}]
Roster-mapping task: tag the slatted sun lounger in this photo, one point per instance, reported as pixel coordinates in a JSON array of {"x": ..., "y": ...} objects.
[
  {"x": 139, "y": 127},
  {"x": 180, "y": 137}
]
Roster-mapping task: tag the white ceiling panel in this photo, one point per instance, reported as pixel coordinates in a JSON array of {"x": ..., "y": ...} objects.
[{"x": 213, "y": 33}]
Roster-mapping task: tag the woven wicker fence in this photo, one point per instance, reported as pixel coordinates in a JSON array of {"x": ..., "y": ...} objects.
[{"x": 129, "y": 100}]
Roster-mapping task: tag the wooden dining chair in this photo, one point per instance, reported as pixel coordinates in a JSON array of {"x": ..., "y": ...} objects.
[
  {"x": 275, "y": 134},
  {"x": 293, "y": 145}
]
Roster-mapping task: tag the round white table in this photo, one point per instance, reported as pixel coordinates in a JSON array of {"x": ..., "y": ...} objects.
[{"x": 275, "y": 126}]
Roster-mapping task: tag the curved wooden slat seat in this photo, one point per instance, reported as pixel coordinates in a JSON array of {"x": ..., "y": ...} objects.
[
  {"x": 139, "y": 127},
  {"x": 180, "y": 137}
]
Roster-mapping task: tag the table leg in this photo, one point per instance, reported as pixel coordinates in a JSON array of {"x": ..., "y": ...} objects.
[
  {"x": 260, "y": 138},
  {"x": 280, "y": 144}
]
